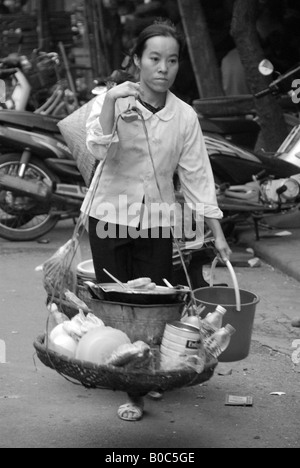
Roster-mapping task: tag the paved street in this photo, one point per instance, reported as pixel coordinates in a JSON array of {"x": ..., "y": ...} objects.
[{"x": 38, "y": 408}]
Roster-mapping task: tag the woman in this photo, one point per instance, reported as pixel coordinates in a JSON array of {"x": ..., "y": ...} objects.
[{"x": 136, "y": 179}]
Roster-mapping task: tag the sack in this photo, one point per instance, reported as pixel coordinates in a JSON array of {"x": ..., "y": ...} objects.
[{"x": 73, "y": 129}]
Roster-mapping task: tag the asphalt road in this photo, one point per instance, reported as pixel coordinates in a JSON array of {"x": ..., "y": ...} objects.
[{"x": 39, "y": 409}]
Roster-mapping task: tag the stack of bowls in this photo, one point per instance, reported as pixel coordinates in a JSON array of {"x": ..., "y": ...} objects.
[{"x": 85, "y": 272}]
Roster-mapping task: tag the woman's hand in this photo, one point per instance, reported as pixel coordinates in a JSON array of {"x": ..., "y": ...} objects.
[
  {"x": 223, "y": 248},
  {"x": 221, "y": 243},
  {"x": 125, "y": 90}
]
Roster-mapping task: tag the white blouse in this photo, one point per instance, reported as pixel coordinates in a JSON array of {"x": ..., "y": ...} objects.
[{"x": 128, "y": 179}]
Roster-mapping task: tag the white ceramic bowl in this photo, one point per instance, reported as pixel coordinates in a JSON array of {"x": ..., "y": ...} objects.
[{"x": 86, "y": 270}]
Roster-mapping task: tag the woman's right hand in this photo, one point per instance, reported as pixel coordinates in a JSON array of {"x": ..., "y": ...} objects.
[{"x": 125, "y": 90}]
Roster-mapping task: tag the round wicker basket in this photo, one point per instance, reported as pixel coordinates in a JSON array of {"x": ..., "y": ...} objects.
[{"x": 139, "y": 382}]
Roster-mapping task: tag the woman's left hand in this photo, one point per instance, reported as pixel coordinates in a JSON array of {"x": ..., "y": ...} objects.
[
  {"x": 223, "y": 248},
  {"x": 221, "y": 243}
]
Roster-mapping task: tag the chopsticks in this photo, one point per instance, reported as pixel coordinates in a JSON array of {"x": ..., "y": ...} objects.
[{"x": 123, "y": 286}]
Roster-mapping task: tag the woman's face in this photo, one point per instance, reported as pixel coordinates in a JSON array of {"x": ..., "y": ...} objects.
[{"x": 159, "y": 64}]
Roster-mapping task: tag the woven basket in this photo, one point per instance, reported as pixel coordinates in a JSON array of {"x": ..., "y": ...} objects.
[
  {"x": 73, "y": 129},
  {"x": 138, "y": 382}
]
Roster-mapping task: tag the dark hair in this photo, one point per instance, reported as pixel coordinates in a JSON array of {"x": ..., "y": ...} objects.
[{"x": 160, "y": 28}]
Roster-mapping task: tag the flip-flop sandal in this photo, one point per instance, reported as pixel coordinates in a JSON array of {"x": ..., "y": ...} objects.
[{"x": 130, "y": 412}]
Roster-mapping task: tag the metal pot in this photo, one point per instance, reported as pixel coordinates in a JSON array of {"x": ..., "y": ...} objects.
[{"x": 111, "y": 292}]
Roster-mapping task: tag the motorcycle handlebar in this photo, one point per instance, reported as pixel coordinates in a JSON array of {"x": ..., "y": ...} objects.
[
  {"x": 263, "y": 93},
  {"x": 282, "y": 190},
  {"x": 274, "y": 86}
]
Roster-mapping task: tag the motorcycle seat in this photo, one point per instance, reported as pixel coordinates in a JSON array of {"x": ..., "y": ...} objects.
[
  {"x": 229, "y": 125},
  {"x": 240, "y": 130},
  {"x": 225, "y": 106},
  {"x": 29, "y": 120}
]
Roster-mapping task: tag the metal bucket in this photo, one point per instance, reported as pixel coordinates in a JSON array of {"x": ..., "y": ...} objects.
[
  {"x": 139, "y": 322},
  {"x": 241, "y": 308}
]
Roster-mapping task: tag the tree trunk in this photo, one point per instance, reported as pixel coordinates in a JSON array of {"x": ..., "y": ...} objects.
[
  {"x": 43, "y": 25},
  {"x": 202, "y": 53},
  {"x": 244, "y": 32}
]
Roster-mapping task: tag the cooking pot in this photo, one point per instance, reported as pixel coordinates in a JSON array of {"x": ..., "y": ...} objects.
[{"x": 112, "y": 292}]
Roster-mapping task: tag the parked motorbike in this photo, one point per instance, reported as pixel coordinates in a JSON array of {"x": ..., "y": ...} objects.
[
  {"x": 38, "y": 84},
  {"x": 235, "y": 119},
  {"x": 260, "y": 200},
  {"x": 40, "y": 183},
  {"x": 11, "y": 72},
  {"x": 236, "y": 165},
  {"x": 39, "y": 180}
]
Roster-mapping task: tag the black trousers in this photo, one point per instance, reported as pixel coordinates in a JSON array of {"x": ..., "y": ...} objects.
[{"x": 128, "y": 258}]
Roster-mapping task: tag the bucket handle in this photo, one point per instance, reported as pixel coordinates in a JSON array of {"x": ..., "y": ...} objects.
[{"x": 234, "y": 280}]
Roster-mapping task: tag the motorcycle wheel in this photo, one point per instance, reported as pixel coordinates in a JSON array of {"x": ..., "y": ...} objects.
[{"x": 22, "y": 218}]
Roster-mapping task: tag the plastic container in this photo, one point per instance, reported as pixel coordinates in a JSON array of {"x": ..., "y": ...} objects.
[
  {"x": 219, "y": 342},
  {"x": 212, "y": 323},
  {"x": 241, "y": 307},
  {"x": 99, "y": 344}
]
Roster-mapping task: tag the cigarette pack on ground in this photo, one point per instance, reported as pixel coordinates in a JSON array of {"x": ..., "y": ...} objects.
[{"x": 232, "y": 400}]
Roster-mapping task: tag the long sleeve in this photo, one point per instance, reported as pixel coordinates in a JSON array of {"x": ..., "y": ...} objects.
[
  {"x": 97, "y": 142},
  {"x": 195, "y": 172}
]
